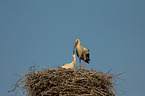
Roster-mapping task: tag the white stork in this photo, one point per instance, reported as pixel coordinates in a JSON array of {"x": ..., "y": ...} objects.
[
  {"x": 72, "y": 64},
  {"x": 82, "y": 52}
]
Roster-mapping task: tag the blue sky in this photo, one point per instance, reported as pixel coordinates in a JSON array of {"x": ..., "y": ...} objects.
[{"x": 44, "y": 31}]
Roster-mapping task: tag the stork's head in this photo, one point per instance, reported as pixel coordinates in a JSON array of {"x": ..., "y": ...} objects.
[
  {"x": 74, "y": 53},
  {"x": 77, "y": 41}
]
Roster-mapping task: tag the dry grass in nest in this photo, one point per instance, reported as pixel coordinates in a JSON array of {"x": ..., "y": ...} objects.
[{"x": 63, "y": 82}]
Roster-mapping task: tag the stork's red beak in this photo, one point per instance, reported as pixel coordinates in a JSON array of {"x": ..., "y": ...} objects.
[{"x": 75, "y": 45}]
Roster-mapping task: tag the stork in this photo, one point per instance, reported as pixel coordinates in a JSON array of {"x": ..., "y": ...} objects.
[
  {"x": 82, "y": 52},
  {"x": 72, "y": 64}
]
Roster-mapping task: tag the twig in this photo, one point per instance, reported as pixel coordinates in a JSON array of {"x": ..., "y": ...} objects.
[
  {"x": 123, "y": 72},
  {"x": 17, "y": 85},
  {"x": 18, "y": 68}
]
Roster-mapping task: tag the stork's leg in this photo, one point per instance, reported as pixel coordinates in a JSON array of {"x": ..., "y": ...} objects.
[
  {"x": 84, "y": 65},
  {"x": 80, "y": 63},
  {"x": 84, "y": 62}
]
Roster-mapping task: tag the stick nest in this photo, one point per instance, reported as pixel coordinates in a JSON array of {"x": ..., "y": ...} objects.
[{"x": 63, "y": 82}]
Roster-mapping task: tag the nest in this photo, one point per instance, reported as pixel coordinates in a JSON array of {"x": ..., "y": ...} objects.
[{"x": 63, "y": 82}]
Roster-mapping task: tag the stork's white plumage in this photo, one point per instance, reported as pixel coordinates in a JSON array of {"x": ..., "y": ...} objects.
[
  {"x": 72, "y": 64},
  {"x": 82, "y": 52}
]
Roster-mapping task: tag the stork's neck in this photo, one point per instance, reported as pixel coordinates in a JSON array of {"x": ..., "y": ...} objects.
[
  {"x": 74, "y": 61},
  {"x": 78, "y": 44},
  {"x": 74, "y": 57}
]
